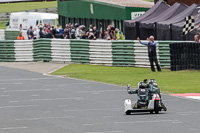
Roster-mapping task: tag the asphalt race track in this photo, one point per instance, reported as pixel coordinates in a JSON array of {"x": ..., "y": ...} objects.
[{"x": 33, "y": 103}]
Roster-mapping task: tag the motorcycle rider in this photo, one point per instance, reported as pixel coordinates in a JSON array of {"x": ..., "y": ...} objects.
[
  {"x": 153, "y": 87},
  {"x": 143, "y": 94},
  {"x": 148, "y": 90}
]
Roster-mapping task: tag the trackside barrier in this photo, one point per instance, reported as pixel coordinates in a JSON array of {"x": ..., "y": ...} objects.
[
  {"x": 2, "y": 34},
  {"x": 164, "y": 54},
  {"x": 23, "y": 50},
  {"x": 80, "y": 51},
  {"x": 123, "y": 53},
  {"x": 60, "y": 50},
  {"x": 42, "y": 50},
  {"x": 185, "y": 56},
  {"x": 7, "y": 51},
  {"x": 11, "y": 35},
  {"x": 98, "y": 52}
]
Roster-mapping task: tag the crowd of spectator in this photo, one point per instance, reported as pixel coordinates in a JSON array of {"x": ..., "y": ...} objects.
[{"x": 74, "y": 31}]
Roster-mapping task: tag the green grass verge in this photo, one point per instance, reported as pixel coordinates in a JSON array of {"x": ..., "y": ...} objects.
[
  {"x": 168, "y": 81},
  {"x": 22, "y": 6},
  {"x": 2, "y": 26}
]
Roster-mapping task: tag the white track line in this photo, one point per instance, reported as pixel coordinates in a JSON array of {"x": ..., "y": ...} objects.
[
  {"x": 107, "y": 132},
  {"x": 92, "y": 124},
  {"x": 44, "y": 118},
  {"x": 67, "y": 84},
  {"x": 17, "y": 83},
  {"x": 60, "y": 106},
  {"x": 34, "y": 95},
  {"x": 25, "y": 79},
  {"x": 104, "y": 109},
  {"x": 55, "y": 99},
  {"x": 18, "y": 106},
  {"x": 13, "y": 128},
  {"x": 138, "y": 122},
  {"x": 100, "y": 91},
  {"x": 28, "y": 90},
  {"x": 13, "y": 101},
  {"x": 4, "y": 95}
]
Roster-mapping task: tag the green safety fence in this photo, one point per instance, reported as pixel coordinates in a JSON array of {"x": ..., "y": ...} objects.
[
  {"x": 123, "y": 53},
  {"x": 7, "y": 51},
  {"x": 80, "y": 51}
]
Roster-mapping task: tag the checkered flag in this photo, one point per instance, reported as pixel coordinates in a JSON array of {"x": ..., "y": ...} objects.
[{"x": 188, "y": 25}]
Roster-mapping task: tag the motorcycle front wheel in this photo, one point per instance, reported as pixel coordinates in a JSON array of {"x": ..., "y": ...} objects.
[{"x": 156, "y": 107}]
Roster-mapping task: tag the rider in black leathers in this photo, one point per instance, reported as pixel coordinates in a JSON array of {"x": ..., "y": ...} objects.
[{"x": 146, "y": 93}]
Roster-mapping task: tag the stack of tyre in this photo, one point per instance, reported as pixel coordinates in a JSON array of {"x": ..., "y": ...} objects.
[{"x": 185, "y": 56}]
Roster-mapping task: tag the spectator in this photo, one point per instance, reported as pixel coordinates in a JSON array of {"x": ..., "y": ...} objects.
[
  {"x": 47, "y": 30},
  {"x": 73, "y": 34},
  {"x": 49, "y": 35},
  {"x": 76, "y": 26},
  {"x": 60, "y": 30},
  {"x": 90, "y": 34},
  {"x": 78, "y": 32},
  {"x": 48, "y": 26},
  {"x": 30, "y": 33},
  {"x": 84, "y": 32},
  {"x": 112, "y": 33},
  {"x": 151, "y": 44},
  {"x": 96, "y": 32},
  {"x": 107, "y": 36},
  {"x": 53, "y": 31},
  {"x": 20, "y": 37},
  {"x": 119, "y": 34},
  {"x": 38, "y": 32},
  {"x": 90, "y": 27},
  {"x": 44, "y": 31},
  {"x": 41, "y": 33},
  {"x": 196, "y": 39}
]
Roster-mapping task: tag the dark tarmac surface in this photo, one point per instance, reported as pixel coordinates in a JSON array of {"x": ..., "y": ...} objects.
[{"x": 33, "y": 103}]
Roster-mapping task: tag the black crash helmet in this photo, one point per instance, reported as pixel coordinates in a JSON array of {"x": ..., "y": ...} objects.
[
  {"x": 151, "y": 81},
  {"x": 142, "y": 85}
]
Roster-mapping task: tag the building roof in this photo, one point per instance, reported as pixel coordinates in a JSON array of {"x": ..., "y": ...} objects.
[{"x": 129, "y": 3}]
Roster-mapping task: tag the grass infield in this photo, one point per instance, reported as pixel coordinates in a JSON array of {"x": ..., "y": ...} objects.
[
  {"x": 22, "y": 6},
  {"x": 2, "y": 26},
  {"x": 168, "y": 81}
]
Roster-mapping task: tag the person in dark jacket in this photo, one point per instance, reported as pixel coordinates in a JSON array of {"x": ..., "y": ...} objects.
[
  {"x": 30, "y": 33},
  {"x": 41, "y": 33},
  {"x": 49, "y": 35},
  {"x": 53, "y": 31},
  {"x": 151, "y": 44}
]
